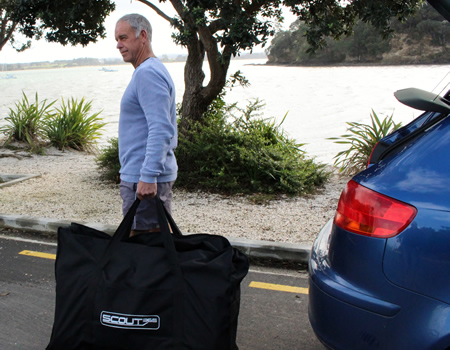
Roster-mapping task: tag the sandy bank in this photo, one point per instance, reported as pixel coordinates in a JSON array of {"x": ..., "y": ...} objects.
[{"x": 69, "y": 189}]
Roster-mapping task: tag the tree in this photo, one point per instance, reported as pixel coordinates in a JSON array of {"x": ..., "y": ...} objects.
[
  {"x": 424, "y": 29},
  {"x": 365, "y": 45},
  {"x": 426, "y": 22},
  {"x": 70, "y": 21},
  {"x": 217, "y": 29},
  {"x": 221, "y": 29}
]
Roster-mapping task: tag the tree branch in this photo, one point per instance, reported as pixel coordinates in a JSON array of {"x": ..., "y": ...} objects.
[
  {"x": 255, "y": 6},
  {"x": 6, "y": 33},
  {"x": 158, "y": 11},
  {"x": 216, "y": 25}
]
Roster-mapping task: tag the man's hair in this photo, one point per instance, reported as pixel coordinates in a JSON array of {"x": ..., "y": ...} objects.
[{"x": 138, "y": 23}]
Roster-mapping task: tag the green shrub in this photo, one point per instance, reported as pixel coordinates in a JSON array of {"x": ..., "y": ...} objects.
[
  {"x": 25, "y": 122},
  {"x": 73, "y": 127},
  {"x": 108, "y": 160},
  {"x": 361, "y": 139},
  {"x": 246, "y": 155}
]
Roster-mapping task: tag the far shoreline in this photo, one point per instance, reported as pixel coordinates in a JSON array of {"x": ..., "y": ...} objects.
[
  {"x": 93, "y": 62},
  {"x": 351, "y": 64}
]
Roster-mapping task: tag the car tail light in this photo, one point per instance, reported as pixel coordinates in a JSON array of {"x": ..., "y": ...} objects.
[{"x": 366, "y": 212}]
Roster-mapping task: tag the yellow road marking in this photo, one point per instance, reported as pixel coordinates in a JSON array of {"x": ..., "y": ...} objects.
[
  {"x": 38, "y": 254},
  {"x": 253, "y": 284},
  {"x": 278, "y": 287}
]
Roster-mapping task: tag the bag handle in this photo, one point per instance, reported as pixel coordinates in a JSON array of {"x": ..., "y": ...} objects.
[
  {"x": 167, "y": 218},
  {"x": 123, "y": 231},
  {"x": 127, "y": 222},
  {"x": 125, "y": 226},
  {"x": 164, "y": 218}
]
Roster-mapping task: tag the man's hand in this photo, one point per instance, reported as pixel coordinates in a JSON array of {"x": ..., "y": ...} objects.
[{"x": 146, "y": 190}]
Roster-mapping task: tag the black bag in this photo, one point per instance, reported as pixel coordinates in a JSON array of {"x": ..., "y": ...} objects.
[{"x": 150, "y": 291}]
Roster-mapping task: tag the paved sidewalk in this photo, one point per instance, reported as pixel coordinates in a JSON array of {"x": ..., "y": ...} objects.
[{"x": 264, "y": 250}]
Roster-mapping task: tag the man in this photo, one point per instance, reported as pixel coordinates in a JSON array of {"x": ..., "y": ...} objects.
[{"x": 147, "y": 125}]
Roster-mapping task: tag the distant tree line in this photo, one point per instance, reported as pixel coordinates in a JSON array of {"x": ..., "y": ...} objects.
[
  {"x": 423, "y": 38},
  {"x": 79, "y": 62}
]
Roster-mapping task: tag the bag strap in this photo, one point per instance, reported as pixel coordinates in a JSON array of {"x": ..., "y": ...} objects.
[
  {"x": 167, "y": 236},
  {"x": 122, "y": 231},
  {"x": 175, "y": 230},
  {"x": 127, "y": 223},
  {"x": 164, "y": 219}
]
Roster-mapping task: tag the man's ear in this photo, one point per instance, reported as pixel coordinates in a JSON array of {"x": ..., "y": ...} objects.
[{"x": 144, "y": 35}]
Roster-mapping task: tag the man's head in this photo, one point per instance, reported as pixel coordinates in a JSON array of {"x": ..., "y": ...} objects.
[
  {"x": 133, "y": 35},
  {"x": 138, "y": 23}
]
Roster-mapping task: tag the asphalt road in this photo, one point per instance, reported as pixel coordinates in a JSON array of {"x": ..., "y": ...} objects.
[{"x": 273, "y": 312}]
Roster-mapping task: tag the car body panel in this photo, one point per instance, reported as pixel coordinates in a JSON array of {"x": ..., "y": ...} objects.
[
  {"x": 419, "y": 174},
  {"x": 335, "y": 276},
  {"x": 391, "y": 293},
  {"x": 341, "y": 323},
  {"x": 424, "y": 250}
]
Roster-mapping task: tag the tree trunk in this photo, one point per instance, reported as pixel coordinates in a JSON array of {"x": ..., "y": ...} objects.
[
  {"x": 197, "y": 97},
  {"x": 191, "y": 109}
]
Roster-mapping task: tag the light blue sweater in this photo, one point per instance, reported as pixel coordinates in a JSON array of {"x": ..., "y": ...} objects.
[{"x": 148, "y": 126}]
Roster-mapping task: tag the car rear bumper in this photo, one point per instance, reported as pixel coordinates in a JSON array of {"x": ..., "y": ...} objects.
[
  {"x": 327, "y": 281},
  {"x": 335, "y": 309},
  {"x": 339, "y": 325},
  {"x": 345, "y": 318}
]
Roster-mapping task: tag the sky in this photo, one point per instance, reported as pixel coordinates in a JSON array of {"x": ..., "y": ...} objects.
[{"x": 162, "y": 42}]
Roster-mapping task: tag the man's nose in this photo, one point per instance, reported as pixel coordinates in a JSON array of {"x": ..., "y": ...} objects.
[{"x": 119, "y": 45}]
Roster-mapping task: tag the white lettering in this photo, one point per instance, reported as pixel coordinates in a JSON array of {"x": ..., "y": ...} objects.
[{"x": 116, "y": 320}]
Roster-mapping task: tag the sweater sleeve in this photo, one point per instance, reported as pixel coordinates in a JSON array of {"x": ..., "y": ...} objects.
[{"x": 155, "y": 98}]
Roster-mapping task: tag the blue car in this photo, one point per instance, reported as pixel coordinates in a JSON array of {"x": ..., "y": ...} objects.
[{"x": 379, "y": 272}]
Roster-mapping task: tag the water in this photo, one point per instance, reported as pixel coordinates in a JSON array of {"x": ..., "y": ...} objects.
[{"x": 319, "y": 101}]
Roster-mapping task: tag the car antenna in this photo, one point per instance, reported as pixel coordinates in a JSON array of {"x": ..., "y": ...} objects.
[{"x": 445, "y": 86}]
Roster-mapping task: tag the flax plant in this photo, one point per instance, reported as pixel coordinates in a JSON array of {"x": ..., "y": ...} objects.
[
  {"x": 361, "y": 139},
  {"x": 24, "y": 123},
  {"x": 73, "y": 127}
]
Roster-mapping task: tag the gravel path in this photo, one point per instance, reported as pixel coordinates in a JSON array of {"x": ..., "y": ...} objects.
[{"x": 69, "y": 189}]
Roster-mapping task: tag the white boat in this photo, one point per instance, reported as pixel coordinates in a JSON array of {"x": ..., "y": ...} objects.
[
  {"x": 103, "y": 69},
  {"x": 8, "y": 76}
]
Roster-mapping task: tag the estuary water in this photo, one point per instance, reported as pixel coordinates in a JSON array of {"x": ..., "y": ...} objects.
[{"x": 318, "y": 100}]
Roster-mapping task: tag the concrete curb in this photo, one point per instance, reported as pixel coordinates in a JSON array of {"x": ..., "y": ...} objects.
[{"x": 261, "y": 250}]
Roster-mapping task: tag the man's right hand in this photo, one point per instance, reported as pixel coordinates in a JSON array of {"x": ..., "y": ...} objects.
[{"x": 146, "y": 190}]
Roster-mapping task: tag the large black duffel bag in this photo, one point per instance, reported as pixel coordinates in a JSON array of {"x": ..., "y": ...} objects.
[{"x": 150, "y": 291}]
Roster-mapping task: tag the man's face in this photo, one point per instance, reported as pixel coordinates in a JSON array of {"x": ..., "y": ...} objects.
[{"x": 129, "y": 46}]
